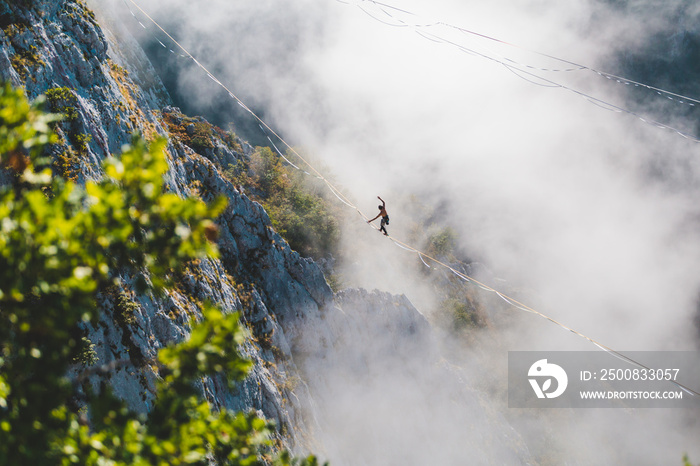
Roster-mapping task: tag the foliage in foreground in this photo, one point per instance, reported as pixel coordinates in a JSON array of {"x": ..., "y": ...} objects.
[{"x": 60, "y": 245}]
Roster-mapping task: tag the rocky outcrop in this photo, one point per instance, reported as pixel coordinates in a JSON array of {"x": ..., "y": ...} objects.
[{"x": 109, "y": 89}]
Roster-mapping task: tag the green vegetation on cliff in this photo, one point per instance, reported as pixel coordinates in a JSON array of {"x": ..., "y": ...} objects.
[
  {"x": 297, "y": 207},
  {"x": 60, "y": 245}
]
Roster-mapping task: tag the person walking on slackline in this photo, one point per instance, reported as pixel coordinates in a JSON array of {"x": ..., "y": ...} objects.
[{"x": 384, "y": 215}]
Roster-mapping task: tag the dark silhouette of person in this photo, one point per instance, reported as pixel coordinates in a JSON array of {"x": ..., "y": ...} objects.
[{"x": 383, "y": 215}]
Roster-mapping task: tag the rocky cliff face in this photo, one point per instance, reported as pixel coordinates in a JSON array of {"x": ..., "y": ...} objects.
[{"x": 308, "y": 345}]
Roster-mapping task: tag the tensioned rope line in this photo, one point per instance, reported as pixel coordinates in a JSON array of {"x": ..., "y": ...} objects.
[
  {"x": 417, "y": 27},
  {"x": 550, "y": 83},
  {"x": 404, "y": 24},
  {"x": 153, "y": 35},
  {"x": 511, "y": 301},
  {"x": 230, "y": 93},
  {"x": 512, "y": 67},
  {"x": 578, "y": 66},
  {"x": 524, "y": 307}
]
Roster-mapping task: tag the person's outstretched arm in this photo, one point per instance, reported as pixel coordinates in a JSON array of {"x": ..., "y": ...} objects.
[
  {"x": 375, "y": 218},
  {"x": 383, "y": 203}
]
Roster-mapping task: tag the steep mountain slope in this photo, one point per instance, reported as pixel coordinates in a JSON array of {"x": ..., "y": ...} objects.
[
  {"x": 54, "y": 41},
  {"x": 307, "y": 344}
]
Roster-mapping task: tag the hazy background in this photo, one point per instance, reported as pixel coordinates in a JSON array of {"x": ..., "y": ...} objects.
[{"x": 592, "y": 211}]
